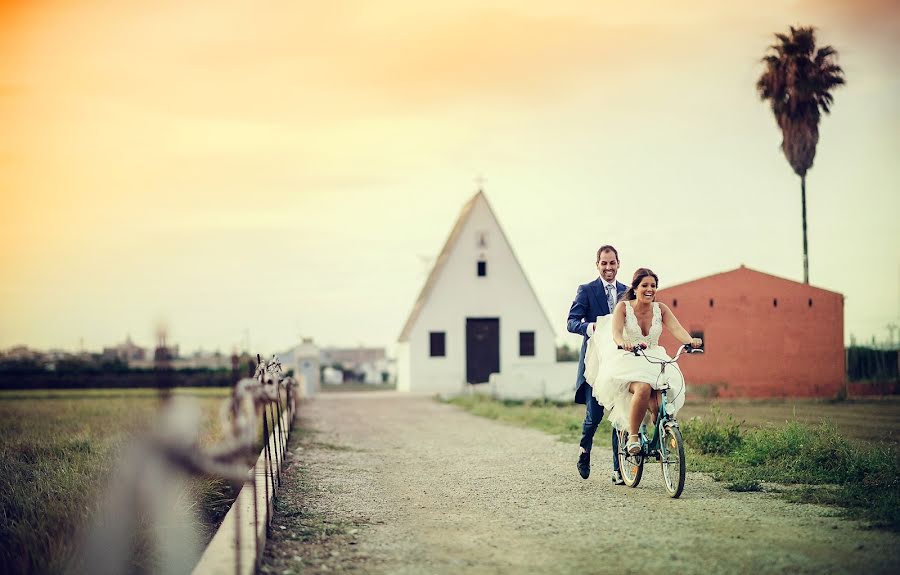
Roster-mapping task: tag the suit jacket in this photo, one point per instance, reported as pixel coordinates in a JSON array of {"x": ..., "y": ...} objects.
[{"x": 590, "y": 301}]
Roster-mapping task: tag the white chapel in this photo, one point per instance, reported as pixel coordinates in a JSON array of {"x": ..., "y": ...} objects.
[{"x": 477, "y": 313}]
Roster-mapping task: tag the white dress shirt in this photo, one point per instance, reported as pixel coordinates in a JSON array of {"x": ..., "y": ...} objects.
[{"x": 606, "y": 293}]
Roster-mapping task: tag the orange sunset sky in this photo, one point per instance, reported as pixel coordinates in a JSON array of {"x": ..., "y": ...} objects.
[{"x": 268, "y": 170}]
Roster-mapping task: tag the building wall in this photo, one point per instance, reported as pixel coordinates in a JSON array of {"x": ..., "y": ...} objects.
[
  {"x": 753, "y": 347},
  {"x": 403, "y": 366},
  {"x": 460, "y": 293},
  {"x": 306, "y": 365}
]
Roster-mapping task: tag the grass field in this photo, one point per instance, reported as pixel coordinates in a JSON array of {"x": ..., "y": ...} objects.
[
  {"x": 57, "y": 450},
  {"x": 845, "y": 454},
  {"x": 869, "y": 419}
]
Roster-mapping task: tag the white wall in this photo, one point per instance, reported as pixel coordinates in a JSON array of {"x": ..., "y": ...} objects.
[
  {"x": 554, "y": 381},
  {"x": 306, "y": 366},
  {"x": 403, "y": 367},
  {"x": 459, "y": 293}
]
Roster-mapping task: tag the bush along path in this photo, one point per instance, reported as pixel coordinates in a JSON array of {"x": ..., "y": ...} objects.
[{"x": 394, "y": 483}]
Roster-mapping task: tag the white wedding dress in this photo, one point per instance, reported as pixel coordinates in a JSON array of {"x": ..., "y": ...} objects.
[{"x": 609, "y": 370}]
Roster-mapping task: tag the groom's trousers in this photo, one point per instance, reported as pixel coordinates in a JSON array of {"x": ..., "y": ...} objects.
[{"x": 593, "y": 415}]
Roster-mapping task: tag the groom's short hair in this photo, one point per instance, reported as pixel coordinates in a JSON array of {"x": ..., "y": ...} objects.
[{"x": 607, "y": 248}]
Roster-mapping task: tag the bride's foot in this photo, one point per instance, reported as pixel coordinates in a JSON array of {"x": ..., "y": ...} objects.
[{"x": 633, "y": 447}]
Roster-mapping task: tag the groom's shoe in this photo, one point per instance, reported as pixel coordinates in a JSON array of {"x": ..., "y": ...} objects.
[
  {"x": 584, "y": 464},
  {"x": 617, "y": 478}
]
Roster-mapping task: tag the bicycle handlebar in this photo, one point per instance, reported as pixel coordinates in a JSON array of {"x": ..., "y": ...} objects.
[{"x": 685, "y": 347}]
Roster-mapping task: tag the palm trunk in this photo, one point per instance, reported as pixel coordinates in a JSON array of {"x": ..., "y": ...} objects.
[{"x": 805, "y": 251}]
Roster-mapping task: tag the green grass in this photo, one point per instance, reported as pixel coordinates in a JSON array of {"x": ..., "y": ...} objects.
[
  {"x": 58, "y": 449},
  {"x": 200, "y": 392},
  {"x": 562, "y": 420},
  {"x": 826, "y": 467},
  {"x": 714, "y": 435}
]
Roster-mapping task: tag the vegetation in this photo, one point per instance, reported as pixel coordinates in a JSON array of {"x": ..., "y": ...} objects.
[
  {"x": 566, "y": 353},
  {"x": 563, "y": 420},
  {"x": 94, "y": 378},
  {"x": 797, "y": 82},
  {"x": 805, "y": 462},
  {"x": 58, "y": 450},
  {"x": 303, "y": 538},
  {"x": 870, "y": 364}
]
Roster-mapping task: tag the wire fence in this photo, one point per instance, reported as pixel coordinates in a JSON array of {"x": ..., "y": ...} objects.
[{"x": 145, "y": 507}]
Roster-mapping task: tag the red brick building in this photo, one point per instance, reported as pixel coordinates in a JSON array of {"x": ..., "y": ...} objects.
[{"x": 764, "y": 336}]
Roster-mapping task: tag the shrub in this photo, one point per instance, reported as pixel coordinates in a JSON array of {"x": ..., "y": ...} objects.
[
  {"x": 715, "y": 435},
  {"x": 817, "y": 454}
]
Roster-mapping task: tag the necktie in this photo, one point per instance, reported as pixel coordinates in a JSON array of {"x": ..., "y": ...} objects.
[{"x": 610, "y": 297}]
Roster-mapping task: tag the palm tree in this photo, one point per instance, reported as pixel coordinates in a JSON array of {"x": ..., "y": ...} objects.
[{"x": 797, "y": 82}]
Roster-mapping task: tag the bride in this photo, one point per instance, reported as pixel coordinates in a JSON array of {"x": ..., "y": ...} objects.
[{"x": 625, "y": 384}]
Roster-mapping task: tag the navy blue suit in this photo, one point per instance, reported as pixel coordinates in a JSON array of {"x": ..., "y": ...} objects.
[{"x": 590, "y": 301}]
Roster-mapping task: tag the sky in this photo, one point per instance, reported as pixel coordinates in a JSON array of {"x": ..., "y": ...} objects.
[{"x": 250, "y": 173}]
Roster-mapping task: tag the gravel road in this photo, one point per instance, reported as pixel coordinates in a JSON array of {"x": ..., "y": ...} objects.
[{"x": 397, "y": 483}]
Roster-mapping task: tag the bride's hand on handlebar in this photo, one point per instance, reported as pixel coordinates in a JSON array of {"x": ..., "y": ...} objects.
[
  {"x": 628, "y": 346},
  {"x": 696, "y": 342}
]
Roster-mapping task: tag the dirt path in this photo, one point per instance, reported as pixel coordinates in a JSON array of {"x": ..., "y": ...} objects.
[{"x": 393, "y": 483}]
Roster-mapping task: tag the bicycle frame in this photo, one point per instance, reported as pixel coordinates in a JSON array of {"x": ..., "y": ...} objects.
[
  {"x": 651, "y": 447},
  {"x": 670, "y": 456}
]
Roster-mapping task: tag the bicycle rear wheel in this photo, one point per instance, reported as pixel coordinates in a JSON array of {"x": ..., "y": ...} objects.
[
  {"x": 630, "y": 466},
  {"x": 672, "y": 460}
]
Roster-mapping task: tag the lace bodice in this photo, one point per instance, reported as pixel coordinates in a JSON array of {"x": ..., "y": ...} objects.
[{"x": 632, "y": 331}]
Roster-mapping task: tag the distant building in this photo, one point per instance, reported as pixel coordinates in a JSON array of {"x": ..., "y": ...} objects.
[
  {"x": 352, "y": 356},
  {"x": 477, "y": 313},
  {"x": 364, "y": 364},
  {"x": 22, "y": 353},
  {"x": 306, "y": 367},
  {"x": 127, "y": 352},
  {"x": 764, "y": 336},
  {"x": 332, "y": 376},
  {"x": 203, "y": 360}
]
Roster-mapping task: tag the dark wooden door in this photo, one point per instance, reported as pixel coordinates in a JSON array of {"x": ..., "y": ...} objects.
[{"x": 482, "y": 348}]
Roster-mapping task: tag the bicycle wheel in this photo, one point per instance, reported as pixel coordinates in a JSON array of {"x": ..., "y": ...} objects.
[
  {"x": 630, "y": 466},
  {"x": 672, "y": 460}
]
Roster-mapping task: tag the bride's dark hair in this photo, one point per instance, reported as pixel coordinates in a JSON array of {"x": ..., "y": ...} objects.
[{"x": 639, "y": 275}]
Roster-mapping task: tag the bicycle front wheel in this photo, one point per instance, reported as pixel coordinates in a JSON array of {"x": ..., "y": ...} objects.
[
  {"x": 630, "y": 466},
  {"x": 672, "y": 460}
]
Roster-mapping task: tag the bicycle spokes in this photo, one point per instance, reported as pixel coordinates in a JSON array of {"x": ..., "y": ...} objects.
[{"x": 672, "y": 460}]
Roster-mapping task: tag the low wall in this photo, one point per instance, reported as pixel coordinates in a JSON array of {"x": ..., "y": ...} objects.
[
  {"x": 763, "y": 390},
  {"x": 869, "y": 388},
  {"x": 551, "y": 381}
]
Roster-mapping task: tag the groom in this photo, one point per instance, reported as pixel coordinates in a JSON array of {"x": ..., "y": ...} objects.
[{"x": 592, "y": 299}]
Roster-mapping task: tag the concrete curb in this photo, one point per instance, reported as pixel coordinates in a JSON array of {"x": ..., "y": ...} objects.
[{"x": 234, "y": 550}]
